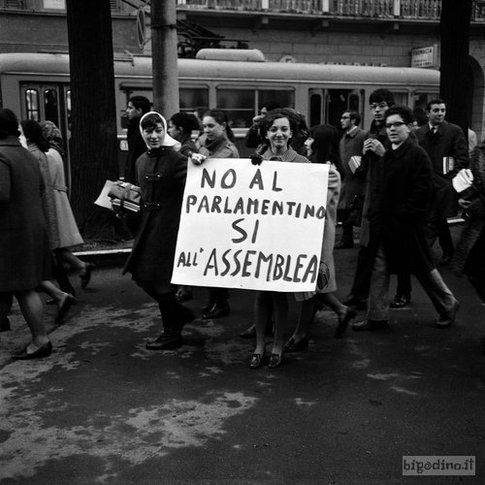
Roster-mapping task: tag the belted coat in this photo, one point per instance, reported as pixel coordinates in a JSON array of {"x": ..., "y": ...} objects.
[{"x": 161, "y": 175}]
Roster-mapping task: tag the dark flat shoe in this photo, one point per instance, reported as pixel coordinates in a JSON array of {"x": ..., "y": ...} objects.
[
  {"x": 296, "y": 345},
  {"x": 275, "y": 360},
  {"x": 256, "y": 361},
  {"x": 86, "y": 276},
  {"x": 217, "y": 311},
  {"x": 165, "y": 342},
  {"x": 343, "y": 322},
  {"x": 448, "y": 320},
  {"x": 43, "y": 351},
  {"x": 64, "y": 308},
  {"x": 400, "y": 301}
]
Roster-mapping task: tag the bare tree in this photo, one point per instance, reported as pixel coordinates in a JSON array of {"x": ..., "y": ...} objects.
[
  {"x": 455, "y": 86},
  {"x": 93, "y": 116}
]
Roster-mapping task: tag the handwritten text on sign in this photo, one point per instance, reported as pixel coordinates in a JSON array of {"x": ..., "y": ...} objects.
[{"x": 252, "y": 227}]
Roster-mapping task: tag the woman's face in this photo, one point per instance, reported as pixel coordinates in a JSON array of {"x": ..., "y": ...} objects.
[
  {"x": 173, "y": 131},
  {"x": 212, "y": 128},
  {"x": 397, "y": 130},
  {"x": 154, "y": 136},
  {"x": 279, "y": 133}
]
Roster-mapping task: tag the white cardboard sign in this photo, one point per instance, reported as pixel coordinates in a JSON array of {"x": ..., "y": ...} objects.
[{"x": 252, "y": 227}]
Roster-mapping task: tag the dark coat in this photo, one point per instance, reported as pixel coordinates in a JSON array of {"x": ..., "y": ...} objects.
[
  {"x": 161, "y": 176},
  {"x": 448, "y": 141},
  {"x": 136, "y": 147},
  {"x": 24, "y": 245},
  {"x": 353, "y": 183},
  {"x": 399, "y": 206},
  {"x": 188, "y": 147}
]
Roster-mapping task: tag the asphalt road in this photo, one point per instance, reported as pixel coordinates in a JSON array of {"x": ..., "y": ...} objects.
[{"x": 103, "y": 409}]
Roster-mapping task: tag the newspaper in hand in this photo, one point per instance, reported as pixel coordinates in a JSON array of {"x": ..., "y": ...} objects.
[
  {"x": 463, "y": 180},
  {"x": 354, "y": 162}
]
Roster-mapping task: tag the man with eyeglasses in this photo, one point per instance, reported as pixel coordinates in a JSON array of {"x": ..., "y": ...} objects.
[
  {"x": 353, "y": 183},
  {"x": 397, "y": 212},
  {"x": 374, "y": 148}
]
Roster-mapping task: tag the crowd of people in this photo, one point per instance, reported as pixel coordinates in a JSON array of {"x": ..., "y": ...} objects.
[{"x": 394, "y": 182}]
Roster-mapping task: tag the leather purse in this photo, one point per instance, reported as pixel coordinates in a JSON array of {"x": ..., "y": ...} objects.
[{"x": 124, "y": 195}]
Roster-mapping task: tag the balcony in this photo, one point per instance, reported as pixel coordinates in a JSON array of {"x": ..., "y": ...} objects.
[{"x": 379, "y": 9}]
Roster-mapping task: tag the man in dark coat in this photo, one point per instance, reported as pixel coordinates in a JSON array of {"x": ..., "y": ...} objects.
[
  {"x": 136, "y": 108},
  {"x": 398, "y": 206},
  {"x": 353, "y": 184},
  {"x": 374, "y": 148},
  {"x": 447, "y": 148}
]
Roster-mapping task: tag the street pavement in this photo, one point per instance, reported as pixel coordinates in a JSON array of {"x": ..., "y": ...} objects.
[{"x": 103, "y": 409}]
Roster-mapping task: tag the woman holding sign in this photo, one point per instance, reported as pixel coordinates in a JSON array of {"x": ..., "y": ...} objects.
[
  {"x": 217, "y": 143},
  {"x": 161, "y": 174},
  {"x": 278, "y": 129}
]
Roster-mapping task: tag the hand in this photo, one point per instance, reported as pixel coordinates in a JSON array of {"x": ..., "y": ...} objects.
[
  {"x": 463, "y": 203},
  {"x": 373, "y": 145},
  {"x": 197, "y": 158},
  {"x": 257, "y": 119},
  {"x": 256, "y": 158}
]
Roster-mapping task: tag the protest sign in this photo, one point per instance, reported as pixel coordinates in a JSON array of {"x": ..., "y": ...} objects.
[{"x": 252, "y": 227}]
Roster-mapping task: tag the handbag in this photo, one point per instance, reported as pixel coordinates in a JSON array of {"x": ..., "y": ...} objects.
[{"x": 125, "y": 196}]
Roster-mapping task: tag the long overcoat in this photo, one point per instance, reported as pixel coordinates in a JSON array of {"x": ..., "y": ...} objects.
[
  {"x": 161, "y": 174},
  {"x": 399, "y": 206},
  {"x": 24, "y": 245},
  {"x": 448, "y": 141}
]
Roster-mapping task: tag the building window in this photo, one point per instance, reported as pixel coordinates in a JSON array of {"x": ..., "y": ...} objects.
[{"x": 54, "y": 4}]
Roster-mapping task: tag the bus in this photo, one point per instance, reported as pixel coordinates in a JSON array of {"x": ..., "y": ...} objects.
[{"x": 36, "y": 86}]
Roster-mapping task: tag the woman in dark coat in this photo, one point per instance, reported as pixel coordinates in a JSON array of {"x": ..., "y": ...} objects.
[
  {"x": 161, "y": 174},
  {"x": 24, "y": 245}
]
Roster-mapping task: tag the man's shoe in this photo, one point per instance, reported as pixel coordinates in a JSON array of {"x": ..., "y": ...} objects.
[
  {"x": 165, "y": 342},
  {"x": 446, "y": 321},
  {"x": 4, "y": 325},
  {"x": 43, "y": 351},
  {"x": 217, "y": 311},
  {"x": 400, "y": 301},
  {"x": 370, "y": 325},
  {"x": 355, "y": 302}
]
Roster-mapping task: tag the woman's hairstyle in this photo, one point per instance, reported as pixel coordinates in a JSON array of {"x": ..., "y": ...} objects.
[
  {"x": 53, "y": 135},
  {"x": 9, "y": 124},
  {"x": 150, "y": 122},
  {"x": 274, "y": 115},
  {"x": 403, "y": 111},
  {"x": 325, "y": 147},
  {"x": 186, "y": 121},
  {"x": 221, "y": 118},
  {"x": 33, "y": 134},
  {"x": 140, "y": 102}
]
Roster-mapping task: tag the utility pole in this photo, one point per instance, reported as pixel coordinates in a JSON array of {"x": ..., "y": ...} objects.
[{"x": 164, "y": 57}]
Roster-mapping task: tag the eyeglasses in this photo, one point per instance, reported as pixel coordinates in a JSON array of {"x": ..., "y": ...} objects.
[
  {"x": 381, "y": 105},
  {"x": 396, "y": 124},
  {"x": 345, "y": 118}
]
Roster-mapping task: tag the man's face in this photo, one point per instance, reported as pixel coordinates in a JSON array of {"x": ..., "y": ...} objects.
[
  {"x": 132, "y": 112},
  {"x": 345, "y": 121},
  {"x": 378, "y": 111},
  {"x": 437, "y": 113}
]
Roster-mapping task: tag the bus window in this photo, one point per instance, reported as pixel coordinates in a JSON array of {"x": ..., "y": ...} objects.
[
  {"x": 51, "y": 106},
  {"x": 239, "y": 105},
  {"x": 68, "y": 110},
  {"x": 32, "y": 104},
  {"x": 315, "y": 109},
  {"x": 337, "y": 102},
  {"x": 354, "y": 101},
  {"x": 421, "y": 99},
  {"x": 285, "y": 99},
  {"x": 194, "y": 99},
  {"x": 400, "y": 99}
]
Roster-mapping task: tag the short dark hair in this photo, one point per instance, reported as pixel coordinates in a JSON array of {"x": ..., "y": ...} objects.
[
  {"x": 382, "y": 95},
  {"x": 434, "y": 101},
  {"x": 403, "y": 111},
  {"x": 9, "y": 124},
  {"x": 186, "y": 121},
  {"x": 151, "y": 121},
  {"x": 271, "y": 105},
  {"x": 353, "y": 115},
  {"x": 140, "y": 102},
  {"x": 276, "y": 114},
  {"x": 33, "y": 133}
]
